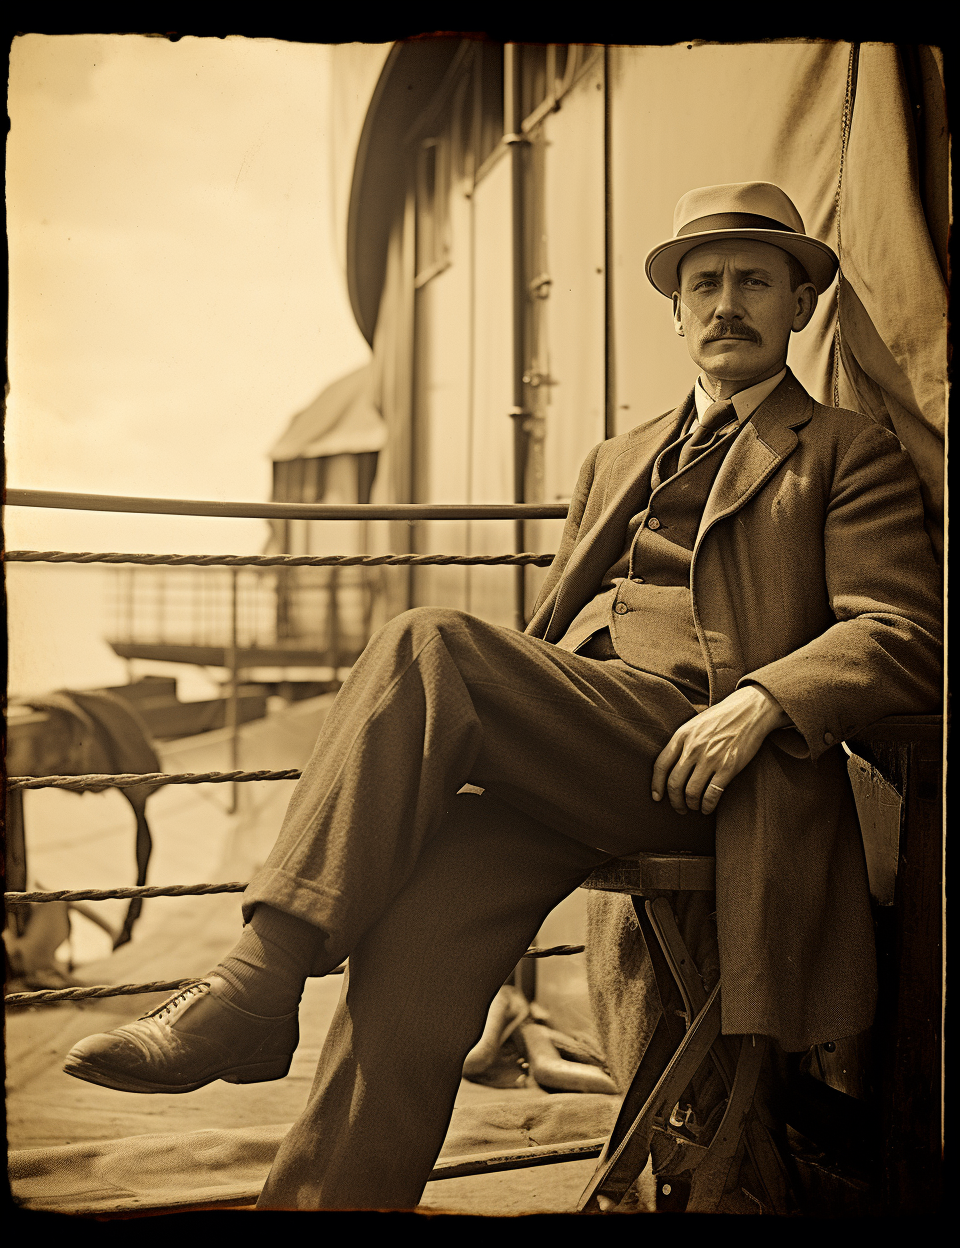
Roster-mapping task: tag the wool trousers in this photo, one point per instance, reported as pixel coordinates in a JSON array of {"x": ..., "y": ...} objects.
[{"x": 433, "y": 894}]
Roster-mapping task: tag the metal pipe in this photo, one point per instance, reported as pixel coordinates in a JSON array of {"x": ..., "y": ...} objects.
[
  {"x": 489, "y": 1163},
  {"x": 290, "y": 511},
  {"x": 129, "y": 608},
  {"x": 233, "y": 705},
  {"x": 610, "y": 358},
  {"x": 513, "y": 124}
]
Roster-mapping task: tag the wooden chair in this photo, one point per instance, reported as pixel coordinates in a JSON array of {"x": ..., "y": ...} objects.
[
  {"x": 864, "y": 1114},
  {"x": 686, "y": 1042}
]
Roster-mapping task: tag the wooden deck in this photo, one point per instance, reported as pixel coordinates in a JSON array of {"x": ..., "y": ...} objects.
[{"x": 79, "y": 841}]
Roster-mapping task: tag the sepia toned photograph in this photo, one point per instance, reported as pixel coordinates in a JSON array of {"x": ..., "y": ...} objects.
[{"x": 474, "y": 584}]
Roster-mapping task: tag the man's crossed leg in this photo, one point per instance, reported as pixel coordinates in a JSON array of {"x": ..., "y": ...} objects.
[{"x": 433, "y": 897}]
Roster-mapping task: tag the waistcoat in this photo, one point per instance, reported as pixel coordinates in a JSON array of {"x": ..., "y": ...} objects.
[{"x": 650, "y": 581}]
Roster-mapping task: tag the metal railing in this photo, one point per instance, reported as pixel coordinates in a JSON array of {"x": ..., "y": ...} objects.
[{"x": 286, "y": 511}]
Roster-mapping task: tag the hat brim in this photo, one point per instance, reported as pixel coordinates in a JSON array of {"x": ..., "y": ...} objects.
[{"x": 817, "y": 258}]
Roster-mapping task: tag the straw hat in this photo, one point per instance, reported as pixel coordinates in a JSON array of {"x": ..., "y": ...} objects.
[{"x": 755, "y": 210}]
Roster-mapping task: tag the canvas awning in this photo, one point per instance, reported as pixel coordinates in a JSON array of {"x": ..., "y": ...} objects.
[
  {"x": 342, "y": 420},
  {"x": 412, "y": 73}
]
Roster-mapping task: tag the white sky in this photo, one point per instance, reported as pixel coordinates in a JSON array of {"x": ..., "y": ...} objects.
[{"x": 176, "y": 290}]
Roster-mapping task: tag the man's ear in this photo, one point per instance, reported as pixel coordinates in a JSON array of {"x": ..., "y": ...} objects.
[
  {"x": 676, "y": 314},
  {"x": 807, "y": 298}
]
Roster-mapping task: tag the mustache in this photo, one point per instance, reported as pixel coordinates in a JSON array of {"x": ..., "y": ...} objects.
[{"x": 725, "y": 330}]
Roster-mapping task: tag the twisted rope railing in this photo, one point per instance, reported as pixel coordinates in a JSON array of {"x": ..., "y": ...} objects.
[
  {"x": 105, "y": 894},
  {"x": 276, "y": 561},
  {"x": 89, "y": 781},
  {"x": 100, "y": 992},
  {"x": 95, "y": 992},
  {"x": 127, "y": 780},
  {"x": 93, "y": 502}
]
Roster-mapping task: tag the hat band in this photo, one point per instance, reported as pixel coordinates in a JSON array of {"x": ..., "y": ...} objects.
[{"x": 732, "y": 221}]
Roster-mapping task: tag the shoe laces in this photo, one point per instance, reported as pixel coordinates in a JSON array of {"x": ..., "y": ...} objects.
[{"x": 173, "y": 1003}]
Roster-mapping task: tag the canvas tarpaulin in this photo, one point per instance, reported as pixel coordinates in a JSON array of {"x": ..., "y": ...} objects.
[
  {"x": 167, "y": 1170},
  {"x": 856, "y": 135},
  {"x": 342, "y": 420}
]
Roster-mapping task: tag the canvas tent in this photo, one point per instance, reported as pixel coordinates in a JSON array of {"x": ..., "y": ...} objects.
[{"x": 328, "y": 453}]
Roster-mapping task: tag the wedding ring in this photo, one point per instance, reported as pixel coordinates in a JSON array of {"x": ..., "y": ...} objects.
[{"x": 718, "y": 787}]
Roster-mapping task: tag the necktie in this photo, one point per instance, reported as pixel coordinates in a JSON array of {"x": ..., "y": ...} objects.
[{"x": 704, "y": 434}]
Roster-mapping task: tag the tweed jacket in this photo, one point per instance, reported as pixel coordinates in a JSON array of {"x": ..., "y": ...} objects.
[{"x": 812, "y": 575}]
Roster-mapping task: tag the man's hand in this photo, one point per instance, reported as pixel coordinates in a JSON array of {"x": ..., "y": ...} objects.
[{"x": 705, "y": 753}]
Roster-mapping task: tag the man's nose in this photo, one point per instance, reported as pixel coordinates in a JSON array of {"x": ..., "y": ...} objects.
[{"x": 729, "y": 305}]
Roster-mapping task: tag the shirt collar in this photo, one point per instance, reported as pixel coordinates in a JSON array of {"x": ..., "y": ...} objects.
[{"x": 745, "y": 402}]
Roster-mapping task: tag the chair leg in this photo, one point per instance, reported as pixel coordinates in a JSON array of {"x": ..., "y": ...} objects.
[
  {"x": 614, "y": 1178},
  {"x": 699, "y": 1171},
  {"x": 678, "y": 959},
  {"x": 657, "y": 1054},
  {"x": 760, "y": 1145},
  {"x": 740, "y": 1123},
  {"x": 679, "y": 1003},
  {"x": 711, "y": 1175},
  {"x": 683, "y": 971},
  {"x": 770, "y": 1167}
]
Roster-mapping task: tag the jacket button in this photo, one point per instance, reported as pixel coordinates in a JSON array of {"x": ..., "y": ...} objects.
[
  {"x": 828, "y": 738},
  {"x": 621, "y": 608},
  {"x": 653, "y": 523}
]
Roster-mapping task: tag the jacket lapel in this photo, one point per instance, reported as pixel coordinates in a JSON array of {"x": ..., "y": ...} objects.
[
  {"x": 756, "y": 454},
  {"x": 625, "y": 488},
  {"x": 764, "y": 443}
]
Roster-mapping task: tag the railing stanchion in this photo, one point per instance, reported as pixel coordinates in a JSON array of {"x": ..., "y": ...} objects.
[{"x": 233, "y": 704}]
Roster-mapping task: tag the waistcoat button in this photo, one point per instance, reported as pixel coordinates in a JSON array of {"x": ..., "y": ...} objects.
[
  {"x": 828, "y": 738},
  {"x": 621, "y": 608},
  {"x": 653, "y": 523}
]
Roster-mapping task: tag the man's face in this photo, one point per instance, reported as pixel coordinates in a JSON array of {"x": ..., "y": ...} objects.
[{"x": 736, "y": 310}]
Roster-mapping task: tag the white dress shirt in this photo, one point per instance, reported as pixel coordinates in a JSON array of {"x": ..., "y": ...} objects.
[{"x": 744, "y": 401}]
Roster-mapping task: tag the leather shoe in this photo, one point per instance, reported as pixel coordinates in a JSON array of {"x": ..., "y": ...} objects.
[{"x": 193, "y": 1038}]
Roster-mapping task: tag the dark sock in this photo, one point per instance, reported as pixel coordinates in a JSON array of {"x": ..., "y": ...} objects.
[{"x": 265, "y": 971}]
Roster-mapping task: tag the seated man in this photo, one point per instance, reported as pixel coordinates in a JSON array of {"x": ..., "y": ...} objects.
[{"x": 742, "y": 583}]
